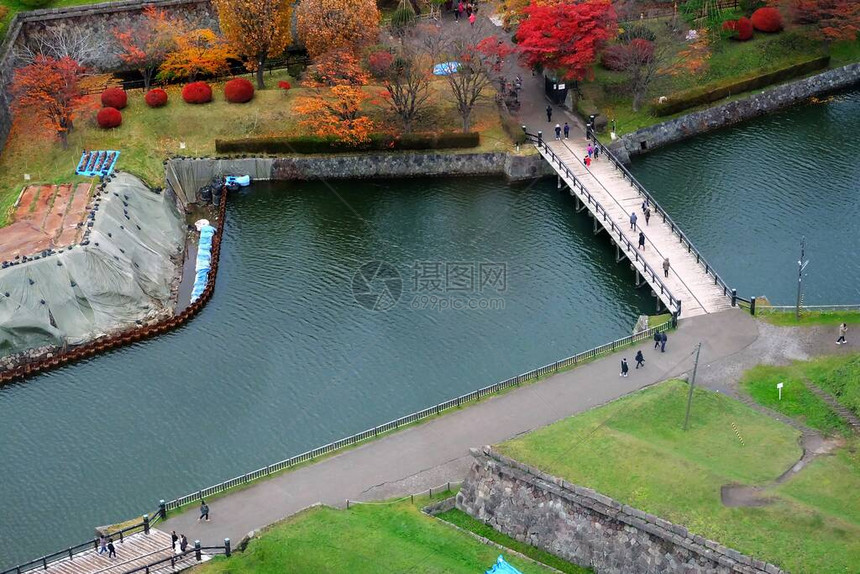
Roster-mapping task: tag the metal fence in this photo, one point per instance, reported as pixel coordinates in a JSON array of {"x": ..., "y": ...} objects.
[{"x": 532, "y": 375}]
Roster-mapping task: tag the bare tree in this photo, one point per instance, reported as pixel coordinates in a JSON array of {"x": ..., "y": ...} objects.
[
  {"x": 643, "y": 61},
  {"x": 407, "y": 82},
  {"x": 78, "y": 43}
]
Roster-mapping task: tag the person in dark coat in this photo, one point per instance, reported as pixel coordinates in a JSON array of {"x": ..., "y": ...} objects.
[
  {"x": 566, "y": 131},
  {"x": 111, "y": 548},
  {"x": 642, "y": 240},
  {"x": 663, "y": 339},
  {"x": 640, "y": 359},
  {"x": 174, "y": 538},
  {"x": 204, "y": 511},
  {"x": 183, "y": 543},
  {"x": 548, "y": 113},
  {"x": 624, "y": 368},
  {"x": 657, "y": 339}
]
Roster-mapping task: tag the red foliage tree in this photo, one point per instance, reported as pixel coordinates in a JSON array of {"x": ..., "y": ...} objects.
[
  {"x": 50, "y": 89},
  {"x": 197, "y": 93},
  {"x": 612, "y": 57},
  {"x": 146, "y": 44},
  {"x": 114, "y": 98},
  {"x": 109, "y": 118},
  {"x": 238, "y": 91},
  {"x": 834, "y": 19},
  {"x": 156, "y": 98},
  {"x": 565, "y": 36},
  {"x": 767, "y": 19}
]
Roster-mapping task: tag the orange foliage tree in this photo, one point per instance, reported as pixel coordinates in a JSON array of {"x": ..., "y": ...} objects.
[
  {"x": 834, "y": 19},
  {"x": 693, "y": 59},
  {"x": 199, "y": 52},
  {"x": 50, "y": 89},
  {"x": 145, "y": 45},
  {"x": 259, "y": 29},
  {"x": 335, "y": 108},
  {"x": 327, "y": 25}
]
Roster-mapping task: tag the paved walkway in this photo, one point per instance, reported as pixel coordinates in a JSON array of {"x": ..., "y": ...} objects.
[{"x": 435, "y": 452}]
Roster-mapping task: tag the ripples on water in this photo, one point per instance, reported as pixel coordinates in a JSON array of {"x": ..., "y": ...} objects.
[
  {"x": 747, "y": 195},
  {"x": 282, "y": 359}
]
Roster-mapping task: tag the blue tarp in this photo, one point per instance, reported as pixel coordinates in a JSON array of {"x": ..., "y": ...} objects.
[
  {"x": 97, "y": 163},
  {"x": 446, "y": 68},
  {"x": 241, "y": 180},
  {"x": 204, "y": 261},
  {"x": 502, "y": 567}
]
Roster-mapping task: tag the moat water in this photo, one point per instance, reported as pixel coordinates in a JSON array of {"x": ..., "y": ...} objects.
[{"x": 286, "y": 357}]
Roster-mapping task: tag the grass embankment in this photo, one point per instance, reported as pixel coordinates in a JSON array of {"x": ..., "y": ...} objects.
[
  {"x": 635, "y": 450},
  {"x": 607, "y": 92},
  {"x": 366, "y": 538},
  {"x": 147, "y": 136},
  {"x": 788, "y": 318},
  {"x": 838, "y": 375}
]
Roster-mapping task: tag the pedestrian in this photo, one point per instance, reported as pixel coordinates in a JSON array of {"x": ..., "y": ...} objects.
[
  {"x": 642, "y": 240},
  {"x": 111, "y": 548},
  {"x": 587, "y": 161},
  {"x": 183, "y": 543},
  {"x": 557, "y": 132},
  {"x": 624, "y": 368},
  {"x": 204, "y": 511},
  {"x": 640, "y": 359},
  {"x": 102, "y": 544},
  {"x": 666, "y": 268},
  {"x": 645, "y": 204},
  {"x": 461, "y": 8},
  {"x": 548, "y": 113},
  {"x": 657, "y": 339},
  {"x": 472, "y": 19},
  {"x": 663, "y": 339},
  {"x": 590, "y": 150},
  {"x": 566, "y": 130},
  {"x": 596, "y": 152},
  {"x": 457, "y": 12},
  {"x": 647, "y": 213},
  {"x": 469, "y": 10},
  {"x": 174, "y": 538},
  {"x": 843, "y": 329},
  {"x": 633, "y": 219}
]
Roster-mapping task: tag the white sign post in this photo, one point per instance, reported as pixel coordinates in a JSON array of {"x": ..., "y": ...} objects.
[{"x": 779, "y": 388}]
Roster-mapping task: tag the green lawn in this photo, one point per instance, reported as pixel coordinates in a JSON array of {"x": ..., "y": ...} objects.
[
  {"x": 635, "y": 450},
  {"x": 838, "y": 375},
  {"x": 366, "y": 538},
  {"x": 789, "y": 319}
]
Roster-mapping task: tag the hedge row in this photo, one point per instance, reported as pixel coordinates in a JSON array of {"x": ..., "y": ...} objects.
[
  {"x": 378, "y": 142},
  {"x": 717, "y": 91}
]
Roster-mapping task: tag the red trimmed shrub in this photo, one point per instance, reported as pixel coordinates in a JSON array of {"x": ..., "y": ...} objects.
[
  {"x": 155, "y": 98},
  {"x": 109, "y": 118},
  {"x": 197, "y": 93},
  {"x": 284, "y": 85},
  {"x": 114, "y": 98},
  {"x": 745, "y": 29},
  {"x": 767, "y": 19},
  {"x": 730, "y": 26},
  {"x": 613, "y": 57},
  {"x": 238, "y": 91},
  {"x": 641, "y": 50}
]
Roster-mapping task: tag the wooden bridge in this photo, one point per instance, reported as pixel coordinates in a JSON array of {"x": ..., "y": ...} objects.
[{"x": 611, "y": 194}]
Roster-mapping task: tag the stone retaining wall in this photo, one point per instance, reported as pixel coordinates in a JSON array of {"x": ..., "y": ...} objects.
[
  {"x": 587, "y": 528},
  {"x": 770, "y": 100}
]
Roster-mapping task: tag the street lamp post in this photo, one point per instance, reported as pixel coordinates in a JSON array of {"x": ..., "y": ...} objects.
[{"x": 801, "y": 265}]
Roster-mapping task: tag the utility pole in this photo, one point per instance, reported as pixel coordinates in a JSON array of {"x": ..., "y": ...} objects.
[
  {"x": 692, "y": 384},
  {"x": 801, "y": 265}
]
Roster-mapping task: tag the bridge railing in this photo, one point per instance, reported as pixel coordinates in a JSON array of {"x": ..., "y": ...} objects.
[
  {"x": 613, "y": 227},
  {"x": 700, "y": 259},
  {"x": 534, "y": 374}
]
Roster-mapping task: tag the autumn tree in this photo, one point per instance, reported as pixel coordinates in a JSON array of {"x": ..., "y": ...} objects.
[
  {"x": 50, "y": 90},
  {"x": 76, "y": 42},
  {"x": 259, "y": 29},
  {"x": 331, "y": 25},
  {"x": 565, "y": 36},
  {"x": 334, "y": 110},
  {"x": 406, "y": 77},
  {"x": 145, "y": 45},
  {"x": 642, "y": 61},
  {"x": 198, "y": 52},
  {"x": 834, "y": 19}
]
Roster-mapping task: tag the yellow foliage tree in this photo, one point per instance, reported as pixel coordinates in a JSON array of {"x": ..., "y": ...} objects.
[
  {"x": 198, "y": 52},
  {"x": 326, "y": 25},
  {"x": 258, "y": 29}
]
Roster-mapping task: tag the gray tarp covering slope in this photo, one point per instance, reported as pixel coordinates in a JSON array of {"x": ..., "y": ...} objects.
[
  {"x": 122, "y": 275},
  {"x": 186, "y": 176}
]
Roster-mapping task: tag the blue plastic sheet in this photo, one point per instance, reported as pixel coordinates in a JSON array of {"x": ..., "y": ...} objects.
[
  {"x": 446, "y": 68},
  {"x": 502, "y": 567},
  {"x": 241, "y": 180},
  {"x": 204, "y": 261},
  {"x": 97, "y": 162}
]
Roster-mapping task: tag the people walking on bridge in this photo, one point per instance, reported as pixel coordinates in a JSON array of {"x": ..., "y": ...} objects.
[
  {"x": 647, "y": 213},
  {"x": 843, "y": 329},
  {"x": 183, "y": 543},
  {"x": 640, "y": 359},
  {"x": 624, "y": 368},
  {"x": 646, "y": 204},
  {"x": 557, "y": 132},
  {"x": 633, "y": 219},
  {"x": 472, "y": 19},
  {"x": 548, "y": 113},
  {"x": 642, "y": 240},
  {"x": 590, "y": 150},
  {"x": 111, "y": 548},
  {"x": 174, "y": 538},
  {"x": 566, "y": 131},
  {"x": 587, "y": 161},
  {"x": 102, "y": 544},
  {"x": 204, "y": 511},
  {"x": 596, "y": 152},
  {"x": 663, "y": 339},
  {"x": 666, "y": 268}
]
